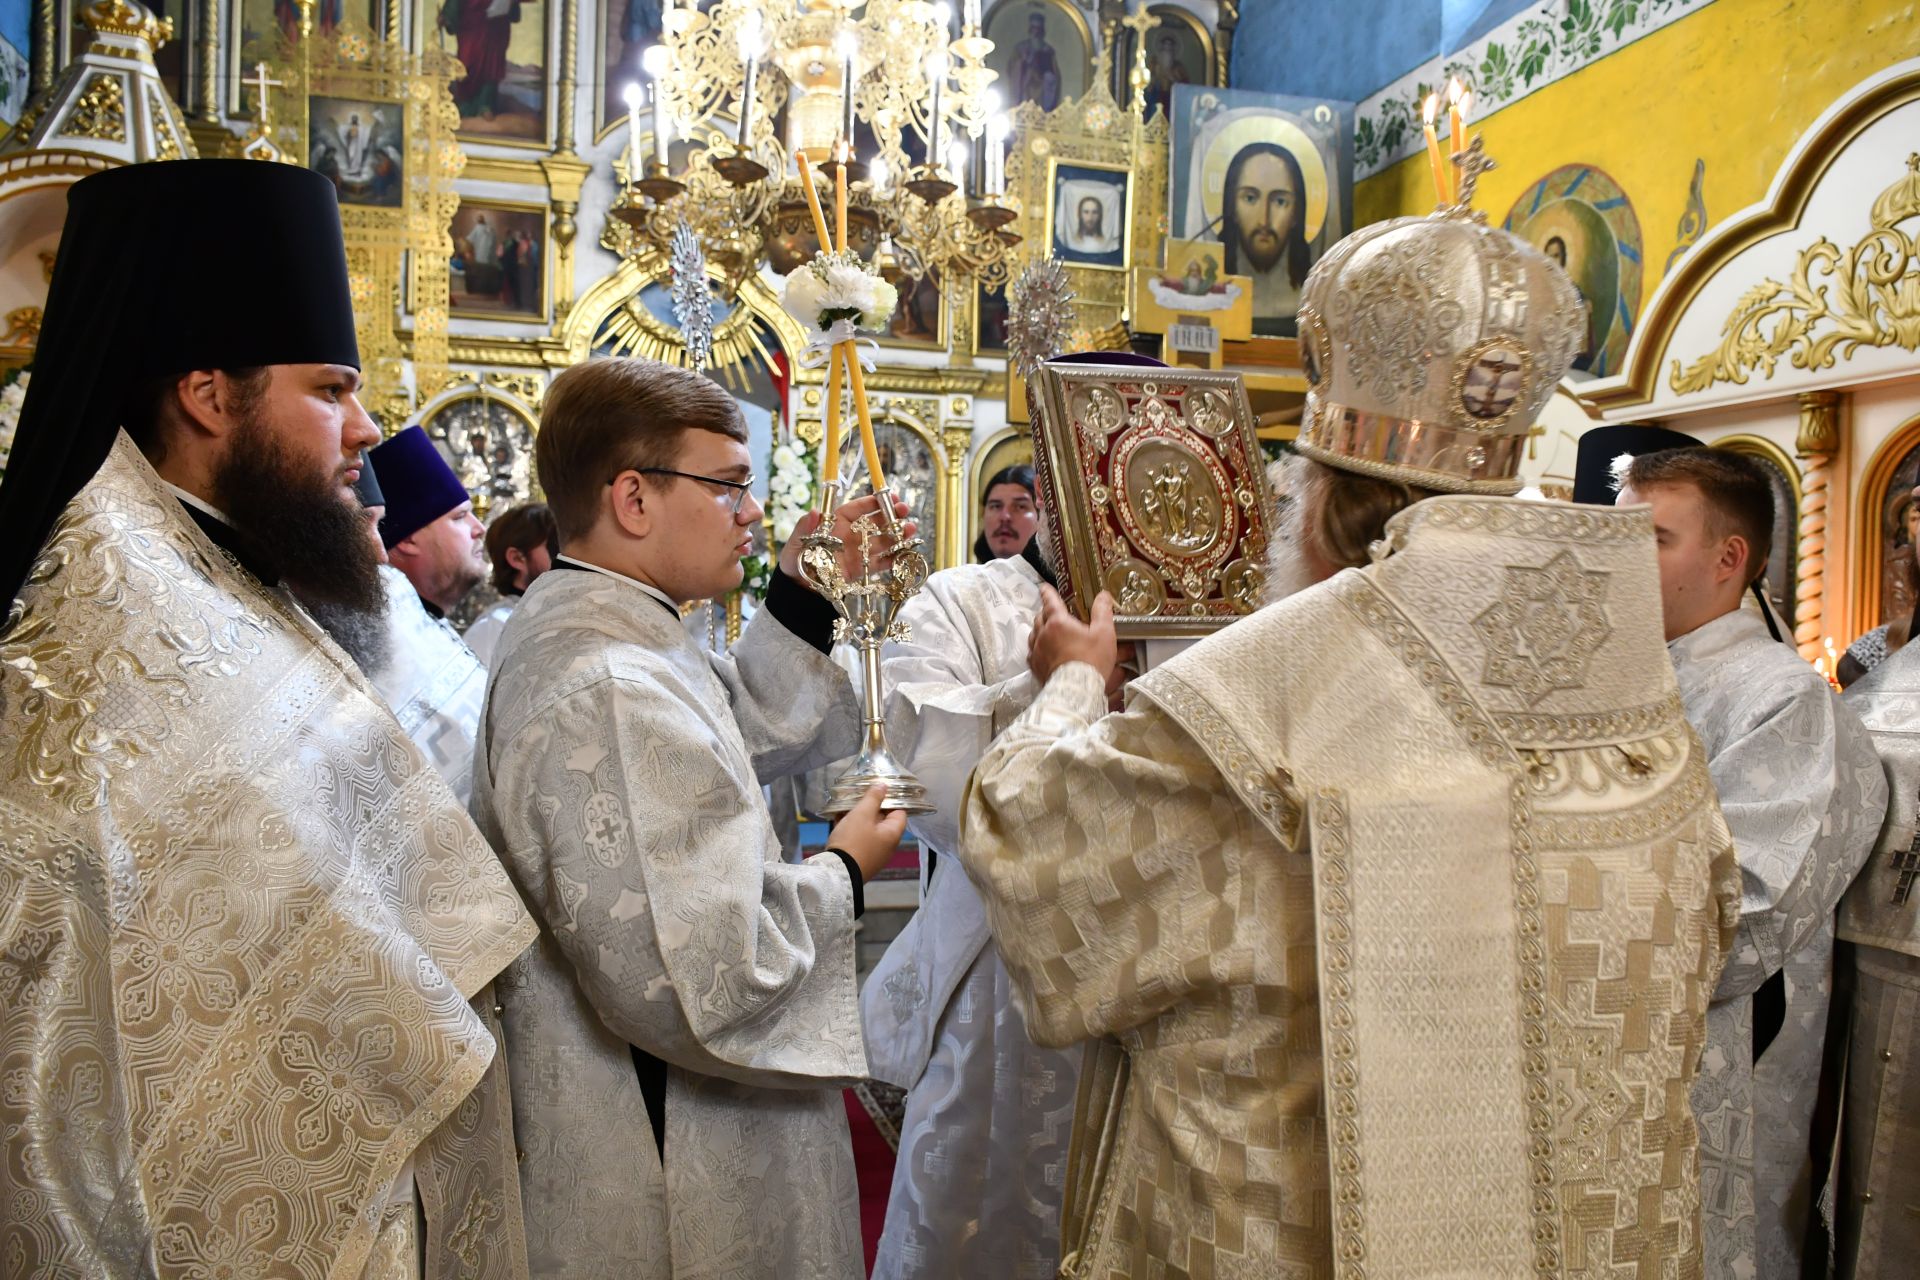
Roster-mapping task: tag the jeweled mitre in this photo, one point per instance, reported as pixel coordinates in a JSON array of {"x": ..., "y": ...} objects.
[{"x": 1430, "y": 345}]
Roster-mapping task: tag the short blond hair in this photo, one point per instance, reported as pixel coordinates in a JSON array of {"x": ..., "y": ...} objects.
[{"x": 620, "y": 414}]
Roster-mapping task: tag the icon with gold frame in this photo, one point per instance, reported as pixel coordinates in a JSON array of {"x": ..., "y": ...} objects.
[{"x": 1155, "y": 490}]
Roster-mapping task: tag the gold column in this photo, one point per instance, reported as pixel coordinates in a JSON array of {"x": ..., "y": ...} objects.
[
  {"x": 208, "y": 35},
  {"x": 955, "y": 439},
  {"x": 566, "y": 171},
  {"x": 1228, "y": 23},
  {"x": 44, "y": 60},
  {"x": 1817, "y": 443}
]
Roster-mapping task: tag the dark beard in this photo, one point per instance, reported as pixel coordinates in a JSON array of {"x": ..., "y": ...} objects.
[
  {"x": 363, "y": 635},
  {"x": 298, "y": 521},
  {"x": 1262, "y": 253}
]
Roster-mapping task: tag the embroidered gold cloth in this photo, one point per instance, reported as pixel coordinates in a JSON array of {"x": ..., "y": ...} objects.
[
  {"x": 1396, "y": 908},
  {"x": 241, "y": 923}
]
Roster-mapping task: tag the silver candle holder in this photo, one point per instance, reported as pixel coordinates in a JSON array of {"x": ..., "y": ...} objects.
[{"x": 868, "y": 606}]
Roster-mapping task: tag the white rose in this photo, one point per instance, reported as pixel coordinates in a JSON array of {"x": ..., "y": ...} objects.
[
  {"x": 802, "y": 296},
  {"x": 782, "y": 456},
  {"x": 879, "y": 312}
]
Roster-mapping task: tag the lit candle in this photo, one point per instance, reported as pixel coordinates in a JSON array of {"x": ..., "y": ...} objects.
[
  {"x": 943, "y": 18},
  {"x": 830, "y": 444},
  {"x": 875, "y": 474},
  {"x": 654, "y": 62},
  {"x": 1457, "y": 124},
  {"x": 1429, "y": 110},
  {"x": 750, "y": 55},
  {"x": 995, "y": 181},
  {"x": 936, "y": 125},
  {"x": 972, "y": 11},
  {"x": 840, "y": 202},
  {"x": 632, "y": 93},
  {"x": 849, "y": 44}
]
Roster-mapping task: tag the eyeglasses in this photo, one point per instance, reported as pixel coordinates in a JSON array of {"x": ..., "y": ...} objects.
[{"x": 741, "y": 488}]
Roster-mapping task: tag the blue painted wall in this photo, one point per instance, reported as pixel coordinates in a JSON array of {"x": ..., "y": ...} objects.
[
  {"x": 1348, "y": 49},
  {"x": 1341, "y": 49},
  {"x": 15, "y": 16},
  {"x": 15, "y": 48}
]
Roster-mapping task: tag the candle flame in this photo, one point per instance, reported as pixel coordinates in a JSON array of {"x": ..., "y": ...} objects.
[
  {"x": 750, "y": 35},
  {"x": 634, "y": 94},
  {"x": 1454, "y": 90},
  {"x": 1430, "y": 108},
  {"x": 1466, "y": 103},
  {"x": 654, "y": 61}
]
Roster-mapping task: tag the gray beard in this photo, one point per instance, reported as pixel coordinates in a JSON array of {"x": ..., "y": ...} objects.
[
  {"x": 1287, "y": 572},
  {"x": 362, "y": 633}
]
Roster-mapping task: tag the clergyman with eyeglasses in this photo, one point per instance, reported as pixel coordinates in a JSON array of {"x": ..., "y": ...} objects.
[{"x": 691, "y": 1004}]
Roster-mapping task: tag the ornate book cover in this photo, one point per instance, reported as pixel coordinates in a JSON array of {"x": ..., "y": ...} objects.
[{"x": 1155, "y": 490}]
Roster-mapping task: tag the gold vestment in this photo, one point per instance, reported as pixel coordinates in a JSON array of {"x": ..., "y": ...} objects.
[{"x": 1393, "y": 911}]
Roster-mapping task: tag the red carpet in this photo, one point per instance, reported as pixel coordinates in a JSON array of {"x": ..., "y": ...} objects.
[{"x": 873, "y": 1166}]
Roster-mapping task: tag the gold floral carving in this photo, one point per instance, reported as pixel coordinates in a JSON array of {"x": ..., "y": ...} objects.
[
  {"x": 396, "y": 257},
  {"x": 1837, "y": 302},
  {"x": 100, "y": 113},
  {"x": 23, "y": 327},
  {"x": 1096, "y": 131}
]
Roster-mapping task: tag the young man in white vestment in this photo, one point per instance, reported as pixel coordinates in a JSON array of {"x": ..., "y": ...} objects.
[
  {"x": 682, "y": 1030},
  {"x": 1393, "y": 908},
  {"x": 1877, "y": 1213},
  {"x": 982, "y": 1163},
  {"x": 247, "y": 931},
  {"x": 1804, "y": 795}
]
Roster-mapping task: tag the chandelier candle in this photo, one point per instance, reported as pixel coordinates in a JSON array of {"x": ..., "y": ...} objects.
[{"x": 750, "y": 57}]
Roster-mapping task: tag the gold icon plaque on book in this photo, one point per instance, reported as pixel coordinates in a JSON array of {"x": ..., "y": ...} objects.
[{"x": 1155, "y": 489}]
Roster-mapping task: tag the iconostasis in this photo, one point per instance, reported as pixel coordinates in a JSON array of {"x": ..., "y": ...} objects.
[{"x": 510, "y": 173}]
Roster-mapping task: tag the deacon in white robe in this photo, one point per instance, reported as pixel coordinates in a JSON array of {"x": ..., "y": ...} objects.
[
  {"x": 619, "y": 775},
  {"x": 433, "y": 682},
  {"x": 989, "y": 1114},
  {"x": 1877, "y": 1218},
  {"x": 1803, "y": 794}
]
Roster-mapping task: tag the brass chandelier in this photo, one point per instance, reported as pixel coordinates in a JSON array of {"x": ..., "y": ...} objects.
[{"x": 895, "y": 67}]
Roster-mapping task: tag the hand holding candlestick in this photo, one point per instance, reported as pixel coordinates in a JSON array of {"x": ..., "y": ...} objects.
[{"x": 867, "y": 561}]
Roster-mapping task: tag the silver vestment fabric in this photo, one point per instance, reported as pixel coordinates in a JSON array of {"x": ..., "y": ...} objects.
[
  {"x": 1803, "y": 793},
  {"x": 241, "y": 924},
  {"x": 1878, "y": 1227},
  {"x": 989, "y": 1114},
  {"x": 619, "y": 776},
  {"x": 484, "y": 631},
  {"x": 433, "y": 682}
]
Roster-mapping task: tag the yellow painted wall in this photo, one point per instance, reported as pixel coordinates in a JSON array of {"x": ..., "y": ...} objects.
[{"x": 1735, "y": 84}]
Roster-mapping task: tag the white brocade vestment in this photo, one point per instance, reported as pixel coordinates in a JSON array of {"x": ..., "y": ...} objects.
[
  {"x": 619, "y": 775},
  {"x": 1803, "y": 794},
  {"x": 484, "y": 631},
  {"x": 432, "y": 681},
  {"x": 1877, "y": 1232},
  {"x": 989, "y": 1114},
  {"x": 245, "y": 935},
  {"x": 1394, "y": 907}
]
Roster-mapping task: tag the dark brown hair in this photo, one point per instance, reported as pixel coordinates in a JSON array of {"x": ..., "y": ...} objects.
[
  {"x": 1735, "y": 487},
  {"x": 620, "y": 414},
  {"x": 153, "y": 404},
  {"x": 520, "y": 528}
]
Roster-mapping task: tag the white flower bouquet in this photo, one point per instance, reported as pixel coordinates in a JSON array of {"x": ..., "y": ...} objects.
[
  {"x": 12, "y": 397},
  {"x": 837, "y": 287}
]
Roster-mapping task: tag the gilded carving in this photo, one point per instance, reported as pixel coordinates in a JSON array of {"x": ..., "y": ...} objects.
[
  {"x": 100, "y": 113},
  {"x": 1837, "y": 302}
]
